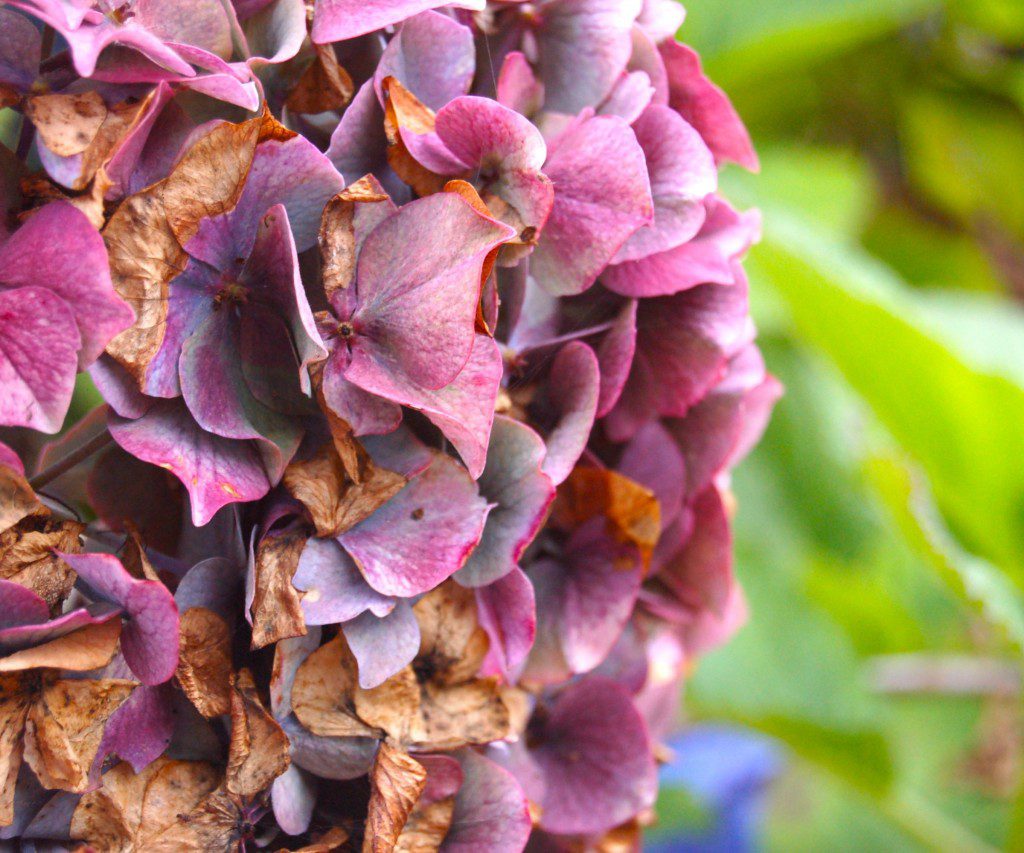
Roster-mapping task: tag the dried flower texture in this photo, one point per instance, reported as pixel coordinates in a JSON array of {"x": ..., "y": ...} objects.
[{"x": 421, "y": 385}]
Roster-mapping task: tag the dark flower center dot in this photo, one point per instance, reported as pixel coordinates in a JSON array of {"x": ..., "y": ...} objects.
[
  {"x": 416, "y": 514},
  {"x": 231, "y": 293},
  {"x": 346, "y": 330}
]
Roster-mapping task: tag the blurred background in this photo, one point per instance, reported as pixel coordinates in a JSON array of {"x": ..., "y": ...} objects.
[{"x": 873, "y": 700}]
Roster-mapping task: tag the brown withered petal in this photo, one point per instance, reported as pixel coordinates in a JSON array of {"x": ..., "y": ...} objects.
[
  {"x": 17, "y": 499},
  {"x": 258, "y": 752},
  {"x": 132, "y": 813},
  {"x": 633, "y": 512},
  {"x": 27, "y": 558},
  {"x": 403, "y": 109},
  {"x": 65, "y": 726},
  {"x": 426, "y": 827},
  {"x": 133, "y": 555},
  {"x": 452, "y": 643},
  {"x": 67, "y": 123},
  {"x": 337, "y": 237},
  {"x": 80, "y": 651},
  {"x": 393, "y": 706},
  {"x": 337, "y": 502},
  {"x": 323, "y": 86},
  {"x": 323, "y": 693},
  {"x": 204, "y": 661},
  {"x": 14, "y": 705},
  {"x": 396, "y": 782},
  {"x": 455, "y": 715},
  {"x": 277, "y": 606}
]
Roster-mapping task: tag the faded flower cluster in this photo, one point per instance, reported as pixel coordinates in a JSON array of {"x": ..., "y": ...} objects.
[{"x": 425, "y": 353}]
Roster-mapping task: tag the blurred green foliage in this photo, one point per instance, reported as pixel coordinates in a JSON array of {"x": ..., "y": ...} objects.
[{"x": 883, "y": 514}]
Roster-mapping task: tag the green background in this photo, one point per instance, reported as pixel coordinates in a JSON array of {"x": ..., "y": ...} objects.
[{"x": 883, "y": 515}]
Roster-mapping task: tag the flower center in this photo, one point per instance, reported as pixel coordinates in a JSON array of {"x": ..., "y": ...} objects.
[
  {"x": 346, "y": 330},
  {"x": 231, "y": 293}
]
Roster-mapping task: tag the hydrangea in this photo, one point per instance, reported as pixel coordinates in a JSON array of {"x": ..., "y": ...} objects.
[{"x": 424, "y": 347}]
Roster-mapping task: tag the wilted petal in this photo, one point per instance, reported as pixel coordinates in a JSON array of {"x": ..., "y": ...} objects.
[
  {"x": 521, "y": 493},
  {"x": 595, "y": 753},
  {"x": 602, "y": 196},
  {"x": 149, "y": 640},
  {"x": 422, "y": 535},
  {"x": 705, "y": 106}
]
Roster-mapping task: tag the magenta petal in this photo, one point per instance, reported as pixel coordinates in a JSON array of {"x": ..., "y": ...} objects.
[
  {"x": 682, "y": 173},
  {"x": 338, "y": 20},
  {"x": 141, "y": 729},
  {"x": 683, "y": 346},
  {"x": 597, "y": 208},
  {"x": 518, "y": 87},
  {"x": 595, "y": 754},
  {"x": 705, "y": 106},
  {"x": 491, "y": 811},
  {"x": 422, "y": 535},
  {"x": 706, "y": 259},
  {"x": 419, "y": 281},
  {"x": 39, "y": 346},
  {"x": 432, "y": 56},
  {"x": 334, "y": 589},
  {"x": 576, "y": 377},
  {"x": 366, "y": 413},
  {"x": 216, "y": 471},
  {"x": 149, "y": 639},
  {"x": 383, "y": 645},
  {"x": 521, "y": 492},
  {"x": 654, "y": 460},
  {"x": 507, "y": 612},
  {"x": 598, "y": 30},
  {"x": 464, "y": 409},
  {"x": 20, "y": 606},
  {"x": 615, "y": 356},
  {"x": 18, "y": 637}
]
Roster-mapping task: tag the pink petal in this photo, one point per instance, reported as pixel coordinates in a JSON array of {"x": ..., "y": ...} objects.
[
  {"x": 576, "y": 379},
  {"x": 338, "y": 20},
  {"x": 507, "y": 612},
  {"x": 491, "y": 811}
]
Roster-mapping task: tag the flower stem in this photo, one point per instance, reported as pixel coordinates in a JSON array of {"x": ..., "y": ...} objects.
[{"x": 76, "y": 457}]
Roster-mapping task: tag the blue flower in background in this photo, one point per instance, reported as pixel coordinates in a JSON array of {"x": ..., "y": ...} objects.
[{"x": 714, "y": 792}]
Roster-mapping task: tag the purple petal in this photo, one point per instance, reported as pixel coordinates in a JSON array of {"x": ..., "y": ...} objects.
[
  {"x": 289, "y": 655},
  {"x": 576, "y": 377},
  {"x": 507, "y": 612},
  {"x": 338, "y": 20},
  {"x": 596, "y": 757},
  {"x": 339, "y": 758},
  {"x": 359, "y": 145},
  {"x": 366, "y": 413},
  {"x": 682, "y": 173},
  {"x": 334, "y": 589},
  {"x": 705, "y": 106},
  {"x": 383, "y": 646},
  {"x": 615, "y": 357},
  {"x": 464, "y": 409},
  {"x": 141, "y": 729},
  {"x": 654, "y": 460},
  {"x": 598, "y": 30},
  {"x": 39, "y": 344},
  {"x": 149, "y": 639},
  {"x": 421, "y": 536},
  {"x": 20, "y": 637},
  {"x": 597, "y": 206},
  {"x": 216, "y": 471},
  {"x": 214, "y": 583},
  {"x": 413, "y": 287},
  {"x": 683, "y": 346},
  {"x": 521, "y": 493},
  {"x": 274, "y": 33},
  {"x": 20, "y": 606},
  {"x": 706, "y": 259},
  {"x": 19, "y": 50},
  {"x": 432, "y": 56},
  {"x": 491, "y": 812},
  {"x": 293, "y": 796}
]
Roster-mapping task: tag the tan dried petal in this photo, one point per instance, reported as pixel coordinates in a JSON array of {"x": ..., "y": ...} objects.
[
  {"x": 452, "y": 643},
  {"x": 402, "y": 109},
  {"x": 132, "y": 813},
  {"x": 27, "y": 558},
  {"x": 632, "y": 511},
  {"x": 204, "y": 661},
  {"x": 336, "y": 502},
  {"x": 14, "y": 704},
  {"x": 393, "y": 706},
  {"x": 337, "y": 233},
  {"x": 65, "y": 727},
  {"x": 323, "y": 86},
  {"x": 67, "y": 123},
  {"x": 333, "y": 839},
  {"x": 277, "y": 606},
  {"x": 133, "y": 555},
  {"x": 458, "y": 714},
  {"x": 87, "y": 648},
  {"x": 323, "y": 693},
  {"x": 259, "y": 749},
  {"x": 427, "y": 826},
  {"x": 396, "y": 782},
  {"x": 17, "y": 499}
]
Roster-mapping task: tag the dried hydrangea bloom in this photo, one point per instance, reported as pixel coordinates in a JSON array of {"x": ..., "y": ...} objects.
[{"x": 410, "y": 487}]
